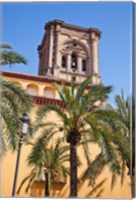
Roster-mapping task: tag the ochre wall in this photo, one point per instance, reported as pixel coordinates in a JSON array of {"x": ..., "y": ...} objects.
[{"x": 57, "y": 190}]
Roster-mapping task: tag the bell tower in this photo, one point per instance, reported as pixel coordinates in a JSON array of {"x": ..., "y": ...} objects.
[{"x": 68, "y": 49}]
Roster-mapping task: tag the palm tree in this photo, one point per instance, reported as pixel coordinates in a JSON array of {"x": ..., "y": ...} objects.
[
  {"x": 126, "y": 111},
  {"x": 83, "y": 121},
  {"x": 10, "y": 57},
  {"x": 14, "y": 102},
  {"x": 48, "y": 159}
]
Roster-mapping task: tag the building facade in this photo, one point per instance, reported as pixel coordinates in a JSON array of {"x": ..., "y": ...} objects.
[{"x": 65, "y": 51}]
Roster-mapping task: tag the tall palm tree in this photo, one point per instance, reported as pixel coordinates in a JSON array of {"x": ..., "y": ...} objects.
[
  {"x": 82, "y": 121},
  {"x": 14, "y": 102},
  {"x": 126, "y": 111},
  {"x": 48, "y": 159},
  {"x": 10, "y": 57}
]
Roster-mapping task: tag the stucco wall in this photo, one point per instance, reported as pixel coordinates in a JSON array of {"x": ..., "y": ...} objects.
[{"x": 37, "y": 188}]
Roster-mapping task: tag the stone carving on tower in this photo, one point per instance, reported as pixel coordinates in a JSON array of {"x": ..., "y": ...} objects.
[{"x": 67, "y": 49}]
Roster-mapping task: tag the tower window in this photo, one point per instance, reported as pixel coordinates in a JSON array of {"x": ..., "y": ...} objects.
[
  {"x": 73, "y": 62},
  {"x": 83, "y": 65},
  {"x": 64, "y": 61}
]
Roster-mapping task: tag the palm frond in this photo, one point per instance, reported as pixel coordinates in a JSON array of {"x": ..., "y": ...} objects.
[
  {"x": 59, "y": 90},
  {"x": 109, "y": 153},
  {"x": 10, "y": 128},
  {"x": 73, "y": 86},
  {"x": 3, "y": 146},
  {"x": 5, "y": 46},
  {"x": 42, "y": 112},
  {"x": 97, "y": 93},
  {"x": 123, "y": 109},
  {"x": 82, "y": 88},
  {"x": 36, "y": 156},
  {"x": 86, "y": 149},
  {"x": 65, "y": 171},
  {"x": 10, "y": 57},
  {"x": 22, "y": 97},
  {"x": 14, "y": 102}
]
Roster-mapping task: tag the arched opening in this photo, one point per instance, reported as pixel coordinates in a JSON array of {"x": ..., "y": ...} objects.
[
  {"x": 83, "y": 65},
  {"x": 49, "y": 92},
  {"x": 17, "y": 83},
  {"x": 73, "y": 62},
  {"x": 32, "y": 89},
  {"x": 75, "y": 43},
  {"x": 64, "y": 61}
]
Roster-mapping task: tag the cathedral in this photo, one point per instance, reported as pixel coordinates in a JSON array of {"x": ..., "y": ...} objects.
[{"x": 65, "y": 51}]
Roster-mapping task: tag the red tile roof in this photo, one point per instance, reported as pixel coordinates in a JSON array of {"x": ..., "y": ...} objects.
[{"x": 32, "y": 77}]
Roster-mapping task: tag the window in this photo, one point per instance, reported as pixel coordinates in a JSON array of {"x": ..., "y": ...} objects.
[
  {"x": 83, "y": 65},
  {"x": 48, "y": 93},
  {"x": 64, "y": 62},
  {"x": 32, "y": 90},
  {"x": 17, "y": 83},
  {"x": 73, "y": 62}
]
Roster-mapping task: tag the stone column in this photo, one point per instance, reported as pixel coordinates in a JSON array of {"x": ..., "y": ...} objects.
[
  {"x": 68, "y": 76},
  {"x": 69, "y": 62},
  {"x": 94, "y": 52},
  {"x": 57, "y": 44},
  {"x": 57, "y": 56},
  {"x": 51, "y": 47},
  {"x": 94, "y": 57},
  {"x": 79, "y": 64}
]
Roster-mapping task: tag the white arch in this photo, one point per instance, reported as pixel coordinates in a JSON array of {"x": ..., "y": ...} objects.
[
  {"x": 77, "y": 42},
  {"x": 32, "y": 89}
]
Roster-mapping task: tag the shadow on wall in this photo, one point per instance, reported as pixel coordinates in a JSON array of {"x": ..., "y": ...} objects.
[
  {"x": 38, "y": 187},
  {"x": 94, "y": 192}
]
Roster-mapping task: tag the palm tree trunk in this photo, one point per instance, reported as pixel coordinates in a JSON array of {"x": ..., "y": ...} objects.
[
  {"x": 46, "y": 184},
  {"x": 132, "y": 178},
  {"x": 131, "y": 173},
  {"x": 133, "y": 186},
  {"x": 73, "y": 170}
]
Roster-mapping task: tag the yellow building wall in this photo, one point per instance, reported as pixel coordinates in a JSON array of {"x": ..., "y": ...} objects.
[{"x": 57, "y": 190}]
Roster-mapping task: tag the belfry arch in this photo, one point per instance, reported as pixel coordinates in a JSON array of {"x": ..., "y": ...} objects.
[
  {"x": 76, "y": 54},
  {"x": 77, "y": 42}
]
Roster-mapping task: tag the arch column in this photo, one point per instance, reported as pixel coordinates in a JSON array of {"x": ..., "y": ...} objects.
[
  {"x": 94, "y": 59},
  {"x": 51, "y": 48},
  {"x": 57, "y": 54},
  {"x": 68, "y": 62},
  {"x": 79, "y": 64},
  {"x": 94, "y": 48}
]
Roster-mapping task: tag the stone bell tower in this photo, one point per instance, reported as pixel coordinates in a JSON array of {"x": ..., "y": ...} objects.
[{"x": 68, "y": 49}]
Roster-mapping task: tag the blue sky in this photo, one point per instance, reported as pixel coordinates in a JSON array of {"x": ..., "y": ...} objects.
[{"x": 23, "y": 28}]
